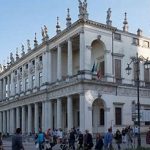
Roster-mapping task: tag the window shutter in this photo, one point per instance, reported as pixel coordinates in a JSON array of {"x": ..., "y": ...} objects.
[{"x": 117, "y": 68}]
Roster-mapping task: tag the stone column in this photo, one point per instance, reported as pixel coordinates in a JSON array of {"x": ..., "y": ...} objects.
[
  {"x": 29, "y": 119},
  {"x": 29, "y": 78},
  {"x": 85, "y": 112},
  {"x": 12, "y": 84},
  {"x": 48, "y": 115},
  {"x": 18, "y": 83},
  {"x": 8, "y": 121},
  {"x": 43, "y": 116},
  {"x": 1, "y": 90},
  {"x": 108, "y": 68},
  {"x": 12, "y": 123},
  {"x": 59, "y": 113},
  {"x": 59, "y": 71},
  {"x": 36, "y": 117},
  {"x": 82, "y": 114},
  {"x": 4, "y": 88},
  {"x": 69, "y": 57},
  {"x": 18, "y": 117},
  {"x": 37, "y": 84},
  {"x": 1, "y": 120},
  {"x": 4, "y": 122},
  {"x": 8, "y": 83},
  {"x": 69, "y": 112},
  {"x": 23, "y": 120},
  {"x": 47, "y": 66},
  {"x": 82, "y": 50}
]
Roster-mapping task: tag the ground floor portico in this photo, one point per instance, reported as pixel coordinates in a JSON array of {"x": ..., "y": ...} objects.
[{"x": 95, "y": 108}]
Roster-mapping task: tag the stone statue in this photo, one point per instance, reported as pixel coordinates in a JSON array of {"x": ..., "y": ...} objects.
[
  {"x": 42, "y": 32},
  {"x": 83, "y": 9},
  {"x": 108, "y": 13},
  {"x": 11, "y": 58},
  {"x": 22, "y": 49},
  {"x": 17, "y": 56},
  {"x": 1, "y": 69},
  {"x": 45, "y": 30},
  {"x": 108, "y": 21},
  {"x": 28, "y": 44}
]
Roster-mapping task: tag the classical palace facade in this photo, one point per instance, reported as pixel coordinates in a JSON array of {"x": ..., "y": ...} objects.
[{"x": 76, "y": 79}]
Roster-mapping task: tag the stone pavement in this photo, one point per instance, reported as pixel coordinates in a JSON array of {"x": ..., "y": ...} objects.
[{"x": 29, "y": 143}]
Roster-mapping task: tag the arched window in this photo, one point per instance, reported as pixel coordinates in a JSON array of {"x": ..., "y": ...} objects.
[{"x": 102, "y": 116}]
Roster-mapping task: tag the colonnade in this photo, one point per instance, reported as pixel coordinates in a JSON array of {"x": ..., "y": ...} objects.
[{"x": 44, "y": 114}]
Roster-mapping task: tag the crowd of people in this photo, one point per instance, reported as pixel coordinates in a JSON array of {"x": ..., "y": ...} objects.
[{"x": 57, "y": 139}]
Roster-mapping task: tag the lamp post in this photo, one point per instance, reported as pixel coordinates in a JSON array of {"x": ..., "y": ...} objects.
[{"x": 136, "y": 60}]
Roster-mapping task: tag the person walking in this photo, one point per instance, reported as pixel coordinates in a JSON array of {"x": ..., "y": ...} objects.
[
  {"x": 17, "y": 140},
  {"x": 118, "y": 138},
  {"x": 41, "y": 139},
  {"x": 88, "y": 141},
  {"x": 1, "y": 142},
  {"x": 148, "y": 137},
  {"x": 80, "y": 140},
  {"x": 108, "y": 137},
  {"x": 99, "y": 142}
]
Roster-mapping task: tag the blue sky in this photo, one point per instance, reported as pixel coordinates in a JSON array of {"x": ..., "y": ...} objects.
[{"x": 20, "y": 19}]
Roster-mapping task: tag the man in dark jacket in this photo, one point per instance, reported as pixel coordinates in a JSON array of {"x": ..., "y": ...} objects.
[
  {"x": 72, "y": 139},
  {"x": 17, "y": 140},
  {"x": 88, "y": 141}
]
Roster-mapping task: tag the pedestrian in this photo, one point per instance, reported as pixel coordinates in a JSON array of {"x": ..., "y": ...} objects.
[
  {"x": 108, "y": 137},
  {"x": 118, "y": 138},
  {"x": 129, "y": 137},
  {"x": 1, "y": 142},
  {"x": 148, "y": 137},
  {"x": 41, "y": 139},
  {"x": 80, "y": 140},
  {"x": 88, "y": 141},
  {"x": 72, "y": 139},
  {"x": 99, "y": 142},
  {"x": 17, "y": 140}
]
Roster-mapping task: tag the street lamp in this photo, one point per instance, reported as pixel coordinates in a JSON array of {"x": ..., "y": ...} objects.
[{"x": 136, "y": 60}]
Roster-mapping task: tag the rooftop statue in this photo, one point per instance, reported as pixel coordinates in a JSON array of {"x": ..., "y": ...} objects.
[
  {"x": 45, "y": 30},
  {"x": 83, "y": 9},
  {"x": 28, "y": 44},
  {"x": 11, "y": 58},
  {"x": 22, "y": 49},
  {"x": 108, "y": 14}
]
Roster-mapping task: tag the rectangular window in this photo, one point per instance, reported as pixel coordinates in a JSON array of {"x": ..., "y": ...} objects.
[
  {"x": 33, "y": 62},
  {"x": 40, "y": 78},
  {"x": 33, "y": 81},
  {"x": 118, "y": 116},
  {"x": 20, "y": 69},
  {"x": 26, "y": 84},
  {"x": 117, "y": 68},
  {"x": 135, "y": 71},
  {"x": 135, "y": 41},
  {"x": 146, "y": 44},
  {"x": 26, "y": 66},
  {"x": 117, "y": 36},
  {"x": 40, "y": 58}
]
